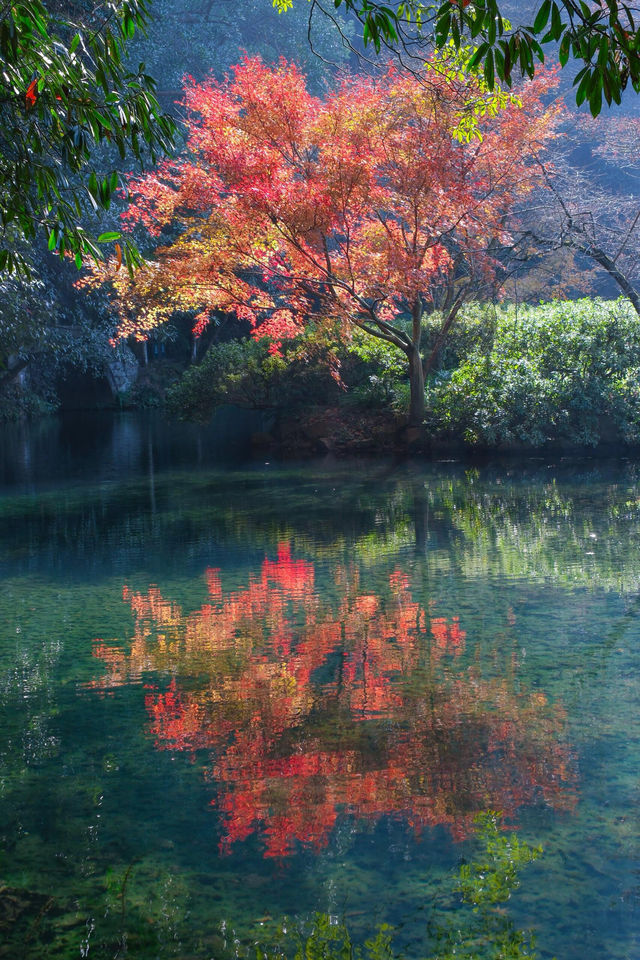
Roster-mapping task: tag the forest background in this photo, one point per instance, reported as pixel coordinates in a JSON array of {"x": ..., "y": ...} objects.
[{"x": 537, "y": 351}]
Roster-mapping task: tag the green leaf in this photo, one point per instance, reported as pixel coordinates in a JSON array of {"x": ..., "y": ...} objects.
[
  {"x": 542, "y": 17},
  {"x": 108, "y": 237},
  {"x": 478, "y": 55},
  {"x": 129, "y": 26},
  {"x": 455, "y": 32},
  {"x": 489, "y": 71},
  {"x": 595, "y": 100},
  {"x": 603, "y": 53},
  {"x": 583, "y": 86},
  {"x": 492, "y": 31},
  {"x": 506, "y": 46},
  {"x": 443, "y": 28}
]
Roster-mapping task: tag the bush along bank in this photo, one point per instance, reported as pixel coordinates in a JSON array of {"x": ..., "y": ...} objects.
[{"x": 563, "y": 373}]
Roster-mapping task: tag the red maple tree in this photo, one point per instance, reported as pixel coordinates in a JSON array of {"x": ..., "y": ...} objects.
[{"x": 369, "y": 207}]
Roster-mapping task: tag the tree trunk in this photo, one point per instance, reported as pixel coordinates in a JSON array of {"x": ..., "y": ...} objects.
[
  {"x": 416, "y": 383},
  {"x": 610, "y": 266},
  {"x": 416, "y": 373}
]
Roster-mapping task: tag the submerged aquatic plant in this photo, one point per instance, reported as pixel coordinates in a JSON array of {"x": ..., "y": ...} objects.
[
  {"x": 467, "y": 920},
  {"x": 486, "y": 931}
]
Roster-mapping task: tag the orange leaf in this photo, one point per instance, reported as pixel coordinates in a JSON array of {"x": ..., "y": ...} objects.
[{"x": 31, "y": 94}]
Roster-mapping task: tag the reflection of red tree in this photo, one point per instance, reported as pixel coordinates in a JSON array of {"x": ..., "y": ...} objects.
[{"x": 310, "y": 710}]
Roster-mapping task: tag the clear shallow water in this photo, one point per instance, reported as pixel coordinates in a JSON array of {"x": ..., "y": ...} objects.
[{"x": 231, "y": 691}]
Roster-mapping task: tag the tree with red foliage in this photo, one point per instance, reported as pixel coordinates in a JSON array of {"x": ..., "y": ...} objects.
[{"x": 370, "y": 207}]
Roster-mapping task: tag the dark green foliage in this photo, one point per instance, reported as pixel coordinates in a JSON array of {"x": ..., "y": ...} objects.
[
  {"x": 66, "y": 89},
  {"x": 473, "y": 332},
  {"x": 375, "y": 373},
  {"x": 565, "y": 371},
  {"x": 602, "y": 38},
  {"x": 18, "y": 404},
  {"x": 248, "y": 373}
]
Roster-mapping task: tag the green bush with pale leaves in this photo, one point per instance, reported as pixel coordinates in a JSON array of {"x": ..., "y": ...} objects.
[{"x": 564, "y": 371}]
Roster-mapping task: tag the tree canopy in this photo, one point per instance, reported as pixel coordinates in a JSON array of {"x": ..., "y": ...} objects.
[
  {"x": 369, "y": 207},
  {"x": 602, "y": 37},
  {"x": 65, "y": 89}
]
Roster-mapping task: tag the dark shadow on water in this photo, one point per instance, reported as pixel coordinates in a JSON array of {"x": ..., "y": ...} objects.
[{"x": 99, "y": 446}]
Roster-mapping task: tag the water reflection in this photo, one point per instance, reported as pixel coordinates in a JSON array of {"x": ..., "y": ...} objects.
[{"x": 305, "y": 704}]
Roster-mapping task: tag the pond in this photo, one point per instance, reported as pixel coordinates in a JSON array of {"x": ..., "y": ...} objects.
[{"x": 236, "y": 690}]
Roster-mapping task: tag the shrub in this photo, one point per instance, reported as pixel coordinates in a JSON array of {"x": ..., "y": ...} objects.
[
  {"x": 375, "y": 373},
  {"x": 248, "y": 373},
  {"x": 18, "y": 403},
  {"x": 563, "y": 370},
  {"x": 473, "y": 332}
]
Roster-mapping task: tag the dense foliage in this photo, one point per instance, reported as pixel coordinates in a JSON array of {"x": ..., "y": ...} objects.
[
  {"x": 601, "y": 37},
  {"x": 507, "y": 376},
  {"x": 358, "y": 209},
  {"x": 248, "y": 373},
  {"x": 561, "y": 371},
  {"x": 65, "y": 89}
]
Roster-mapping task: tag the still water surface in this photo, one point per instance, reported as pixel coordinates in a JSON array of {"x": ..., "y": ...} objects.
[{"x": 236, "y": 690}]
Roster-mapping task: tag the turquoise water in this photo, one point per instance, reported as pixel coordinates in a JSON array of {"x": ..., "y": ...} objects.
[{"x": 233, "y": 690}]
